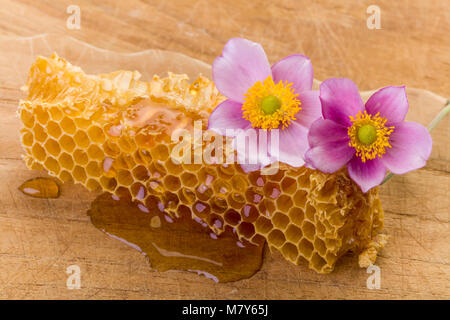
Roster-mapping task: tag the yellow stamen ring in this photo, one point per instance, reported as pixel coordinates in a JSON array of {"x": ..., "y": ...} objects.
[
  {"x": 369, "y": 135},
  {"x": 268, "y": 105}
]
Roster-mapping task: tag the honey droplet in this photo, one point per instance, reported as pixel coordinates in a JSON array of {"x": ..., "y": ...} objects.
[
  {"x": 40, "y": 188},
  {"x": 177, "y": 243}
]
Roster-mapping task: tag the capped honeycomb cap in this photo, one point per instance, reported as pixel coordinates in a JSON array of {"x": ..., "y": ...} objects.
[{"x": 112, "y": 132}]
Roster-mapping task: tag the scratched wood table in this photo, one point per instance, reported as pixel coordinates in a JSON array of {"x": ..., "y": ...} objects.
[{"x": 39, "y": 238}]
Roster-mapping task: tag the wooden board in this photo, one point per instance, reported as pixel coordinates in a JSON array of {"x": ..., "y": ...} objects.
[{"x": 39, "y": 239}]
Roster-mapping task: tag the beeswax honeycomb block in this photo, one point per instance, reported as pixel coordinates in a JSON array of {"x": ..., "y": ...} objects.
[{"x": 112, "y": 132}]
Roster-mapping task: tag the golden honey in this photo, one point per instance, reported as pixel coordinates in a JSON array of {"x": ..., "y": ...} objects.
[
  {"x": 40, "y": 188},
  {"x": 178, "y": 243},
  {"x": 112, "y": 132}
]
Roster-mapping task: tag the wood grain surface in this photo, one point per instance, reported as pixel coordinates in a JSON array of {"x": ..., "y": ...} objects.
[{"x": 39, "y": 238}]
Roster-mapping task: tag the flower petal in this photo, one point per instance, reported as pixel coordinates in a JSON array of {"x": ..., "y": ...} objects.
[
  {"x": 391, "y": 102},
  {"x": 340, "y": 100},
  {"x": 329, "y": 150},
  {"x": 296, "y": 69},
  {"x": 227, "y": 115},
  {"x": 241, "y": 65},
  {"x": 293, "y": 143},
  {"x": 366, "y": 174},
  {"x": 311, "y": 108},
  {"x": 411, "y": 146}
]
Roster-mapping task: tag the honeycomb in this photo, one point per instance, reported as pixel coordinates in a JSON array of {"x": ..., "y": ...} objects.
[{"x": 112, "y": 132}]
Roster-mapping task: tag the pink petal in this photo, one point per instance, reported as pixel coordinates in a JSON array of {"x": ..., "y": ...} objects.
[
  {"x": 390, "y": 102},
  {"x": 340, "y": 100},
  {"x": 311, "y": 108},
  {"x": 296, "y": 69},
  {"x": 293, "y": 143},
  {"x": 329, "y": 150},
  {"x": 227, "y": 115},
  {"x": 366, "y": 174},
  {"x": 411, "y": 146},
  {"x": 241, "y": 65}
]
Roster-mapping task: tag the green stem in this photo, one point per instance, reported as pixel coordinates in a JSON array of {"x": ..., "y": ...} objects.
[
  {"x": 430, "y": 128},
  {"x": 440, "y": 116}
]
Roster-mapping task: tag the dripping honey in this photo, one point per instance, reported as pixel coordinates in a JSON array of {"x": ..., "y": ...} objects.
[{"x": 176, "y": 243}]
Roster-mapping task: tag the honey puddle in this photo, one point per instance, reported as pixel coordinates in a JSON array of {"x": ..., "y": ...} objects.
[
  {"x": 176, "y": 243},
  {"x": 40, "y": 188}
]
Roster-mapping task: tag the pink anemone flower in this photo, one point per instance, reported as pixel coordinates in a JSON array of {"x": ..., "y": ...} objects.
[
  {"x": 261, "y": 97},
  {"x": 367, "y": 138}
]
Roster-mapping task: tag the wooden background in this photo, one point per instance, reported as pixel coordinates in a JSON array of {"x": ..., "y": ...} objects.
[{"x": 39, "y": 239}]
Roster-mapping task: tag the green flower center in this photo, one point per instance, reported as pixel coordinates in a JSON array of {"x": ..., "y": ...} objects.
[
  {"x": 367, "y": 134},
  {"x": 270, "y": 104}
]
